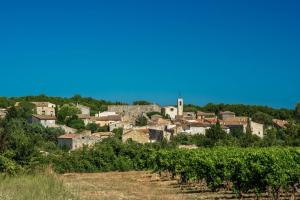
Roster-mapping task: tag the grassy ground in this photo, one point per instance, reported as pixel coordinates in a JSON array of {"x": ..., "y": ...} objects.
[{"x": 33, "y": 187}]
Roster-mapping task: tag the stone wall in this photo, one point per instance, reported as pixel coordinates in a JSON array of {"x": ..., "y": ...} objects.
[{"x": 131, "y": 112}]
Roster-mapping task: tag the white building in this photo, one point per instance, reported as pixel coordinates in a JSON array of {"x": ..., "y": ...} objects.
[
  {"x": 44, "y": 120},
  {"x": 257, "y": 129},
  {"x": 170, "y": 111},
  {"x": 105, "y": 114}
]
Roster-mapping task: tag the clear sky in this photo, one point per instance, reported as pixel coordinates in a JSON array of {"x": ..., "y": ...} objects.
[{"x": 242, "y": 51}]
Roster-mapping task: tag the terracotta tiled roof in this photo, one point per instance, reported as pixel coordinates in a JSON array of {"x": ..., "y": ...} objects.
[
  {"x": 227, "y": 112},
  {"x": 44, "y": 117},
  {"x": 212, "y": 120},
  {"x": 200, "y": 124},
  {"x": 200, "y": 113},
  {"x": 280, "y": 123},
  {"x": 235, "y": 121},
  {"x": 69, "y": 136},
  {"x": 41, "y": 104}
]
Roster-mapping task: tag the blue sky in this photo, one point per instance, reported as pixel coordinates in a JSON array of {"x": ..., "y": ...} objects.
[{"x": 210, "y": 51}]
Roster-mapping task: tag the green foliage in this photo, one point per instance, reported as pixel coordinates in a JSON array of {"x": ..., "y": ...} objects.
[
  {"x": 297, "y": 112},
  {"x": 21, "y": 142},
  {"x": 141, "y": 121},
  {"x": 150, "y": 114},
  {"x": 118, "y": 133},
  {"x": 104, "y": 128},
  {"x": 243, "y": 110},
  {"x": 67, "y": 111},
  {"x": 5, "y": 102},
  {"x": 92, "y": 127},
  {"x": 75, "y": 122},
  {"x": 262, "y": 118},
  {"x": 247, "y": 169},
  {"x": 24, "y": 111},
  {"x": 215, "y": 134},
  {"x": 8, "y": 166},
  {"x": 95, "y": 104}
]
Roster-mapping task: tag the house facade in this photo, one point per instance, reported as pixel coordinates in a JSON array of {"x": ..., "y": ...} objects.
[
  {"x": 44, "y": 108},
  {"x": 170, "y": 111},
  {"x": 76, "y": 141},
  {"x": 84, "y": 109},
  {"x": 44, "y": 120}
]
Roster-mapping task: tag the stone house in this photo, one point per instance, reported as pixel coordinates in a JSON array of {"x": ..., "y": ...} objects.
[
  {"x": 85, "y": 118},
  {"x": 257, "y": 129},
  {"x": 138, "y": 135},
  {"x": 158, "y": 133},
  {"x": 44, "y": 108},
  {"x": 84, "y": 109},
  {"x": 76, "y": 141},
  {"x": 194, "y": 128},
  {"x": 280, "y": 123},
  {"x": 130, "y": 113},
  {"x": 204, "y": 115},
  {"x": 115, "y": 125},
  {"x": 242, "y": 123},
  {"x": 3, "y": 112},
  {"x": 106, "y": 121},
  {"x": 105, "y": 114},
  {"x": 170, "y": 111},
  {"x": 189, "y": 115},
  {"x": 235, "y": 123},
  {"x": 44, "y": 120},
  {"x": 227, "y": 114}
]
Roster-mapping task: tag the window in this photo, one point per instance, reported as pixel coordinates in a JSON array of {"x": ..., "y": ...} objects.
[{"x": 43, "y": 112}]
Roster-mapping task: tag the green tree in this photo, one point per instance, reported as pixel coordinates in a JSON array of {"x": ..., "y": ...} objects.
[
  {"x": 262, "y": 118},
  {"x": 92, "y": 127},
  {"x": 141, "y": 121},
  {"x": 215, "y": 134},
  {"x": 75, "y": 122},
  {"x": 5, "y": 102},
  {"x": 298, "y": 112},
  {"x": 67, "y": 111}
]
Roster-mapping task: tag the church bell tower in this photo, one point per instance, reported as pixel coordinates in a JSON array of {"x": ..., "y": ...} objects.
[{"x": 180, "y": 106}]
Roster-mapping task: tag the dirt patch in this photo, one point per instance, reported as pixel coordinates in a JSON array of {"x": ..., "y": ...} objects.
[{"x": 139, "y": 186}]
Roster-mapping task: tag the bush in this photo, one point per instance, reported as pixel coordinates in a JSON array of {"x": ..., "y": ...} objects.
[{"x": 8, "y": 166}]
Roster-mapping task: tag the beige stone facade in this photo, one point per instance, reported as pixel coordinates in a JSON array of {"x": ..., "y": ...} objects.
[
  {"x": 45, "y": 108},
  {"x": 130, "y": 113}
]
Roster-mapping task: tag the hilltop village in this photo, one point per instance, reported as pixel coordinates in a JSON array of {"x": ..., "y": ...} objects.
[{"x": 140, "y": 123}]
